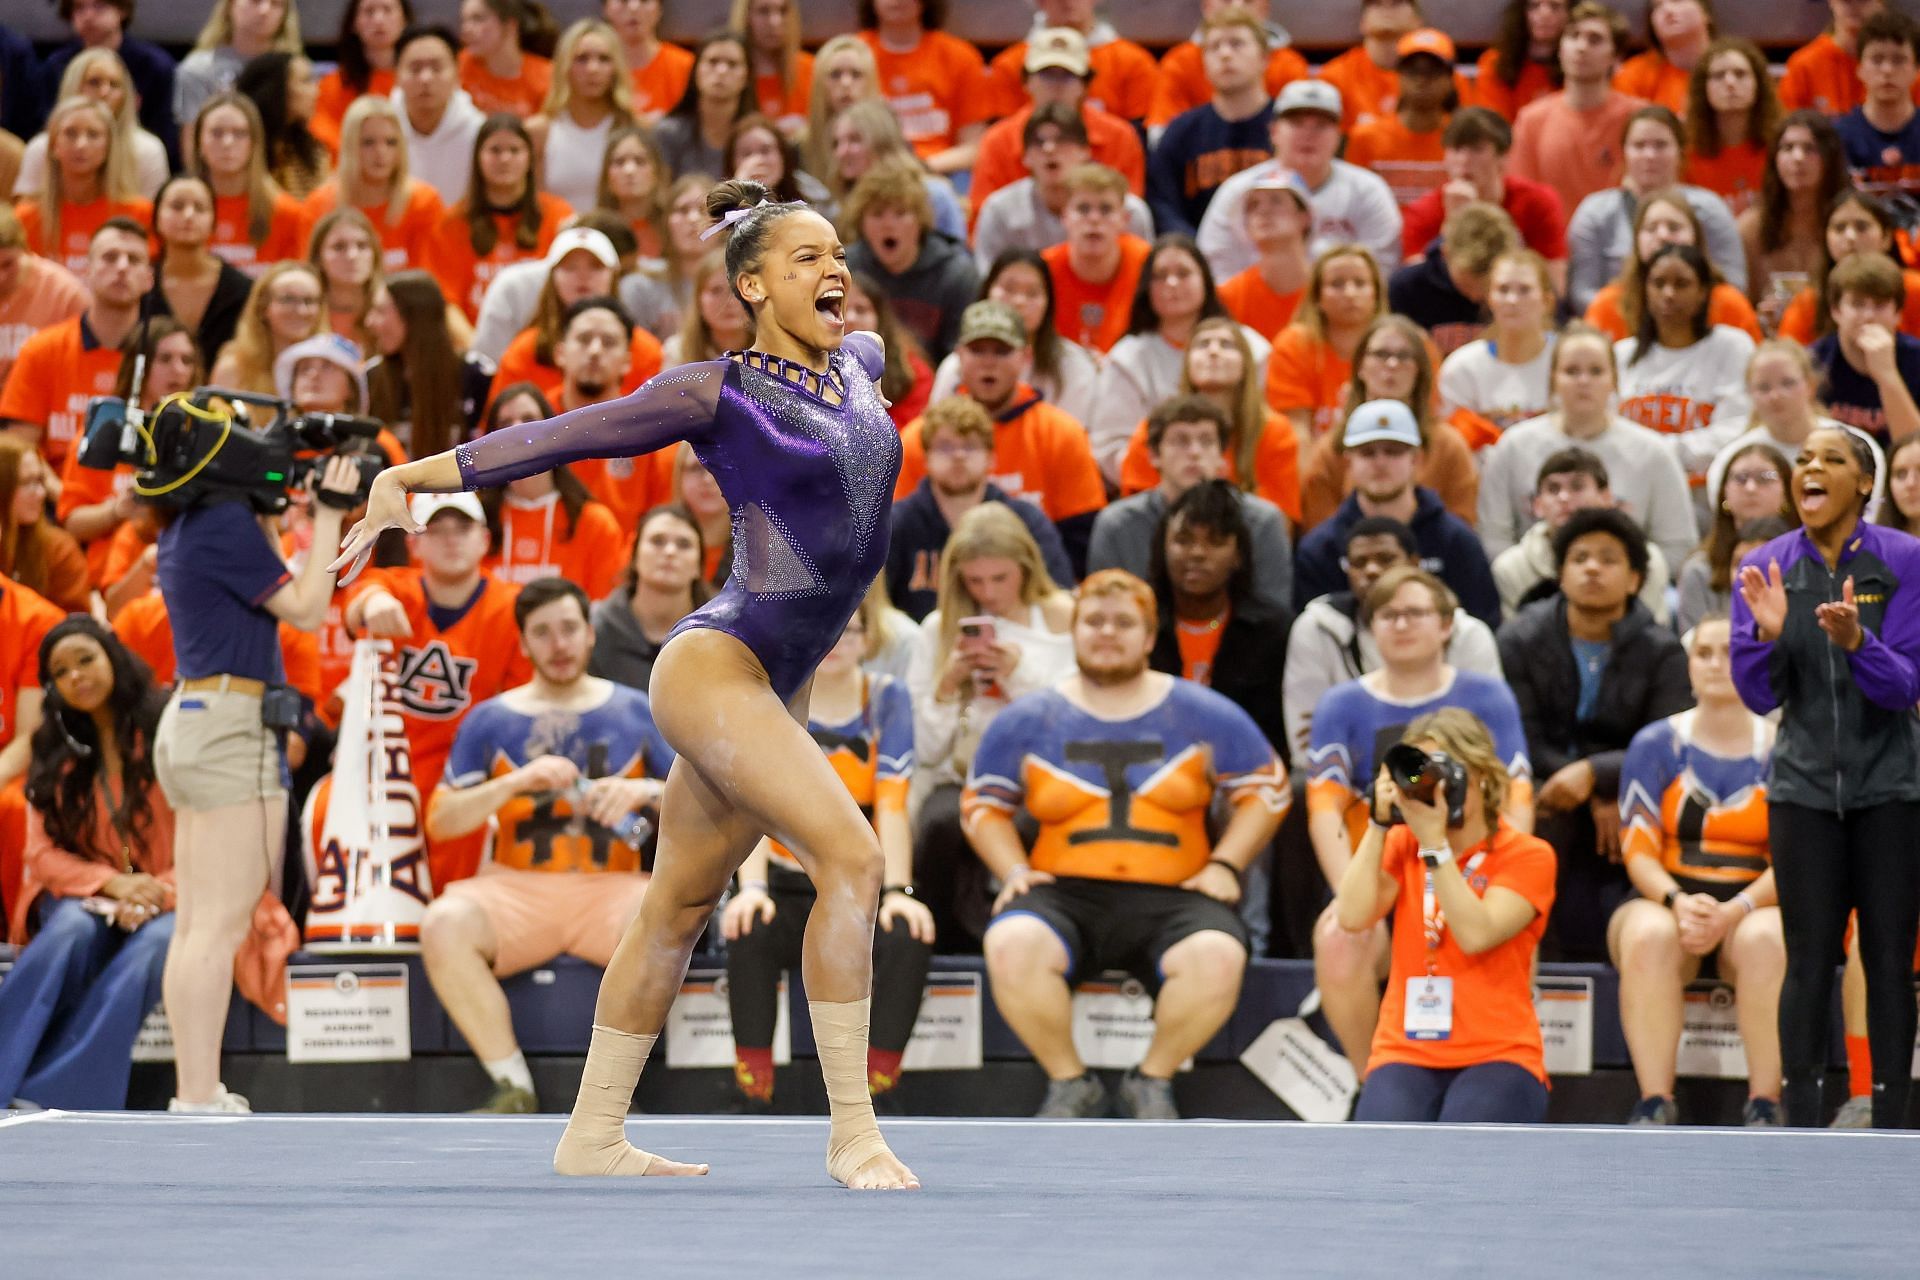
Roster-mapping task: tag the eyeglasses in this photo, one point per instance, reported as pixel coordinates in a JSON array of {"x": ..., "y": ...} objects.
[
  {"x": 1391, "y": 357},
  {"x": 1403, "y": 617},
  {"x": 1753, "y": 479},
  {"x": 295, "y": 301}
]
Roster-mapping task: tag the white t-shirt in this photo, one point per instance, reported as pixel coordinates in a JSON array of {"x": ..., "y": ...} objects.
[
  {"x": 1475, "y": 378},
  {"x": 1353, "y": 204},
  {"x": 1674, "y": 390}
]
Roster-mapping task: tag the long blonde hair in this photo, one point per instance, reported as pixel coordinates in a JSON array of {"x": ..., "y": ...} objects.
[
  {"x": 117, "y": 182},
  {"x": 376, "y": 276},
  {"x": 219, "y": 29},
  {"x": 989, "y": 531},
  {"x": 789, "y": 40},
  {"x": 819, "y": 143},
  {"x": 251, "y": 346},
  {"x": 1248, "y": 409},
  {"x": 126, "y": 121},
  {"x": 880, "y": 128},
  {"x": 1466, "y": 738},
  {"x": 696, "y": 338},
  {"x": 1309, "y": 316},
  {"x": 261, "y": 188},
  {"x": 347, "y": 178},
  {"x": 560, "y": 90}
]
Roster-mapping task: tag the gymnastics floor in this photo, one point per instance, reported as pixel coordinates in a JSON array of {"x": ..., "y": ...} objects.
[{"x": 372, "y": 1196}]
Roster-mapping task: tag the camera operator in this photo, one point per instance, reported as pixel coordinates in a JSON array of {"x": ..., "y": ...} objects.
[
  {"x": 216, "y": 754},
  {"x": 1457, "y": 1040}
]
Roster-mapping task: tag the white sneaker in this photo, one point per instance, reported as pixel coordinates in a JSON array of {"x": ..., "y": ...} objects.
[{"x": 223, "y": 1104}]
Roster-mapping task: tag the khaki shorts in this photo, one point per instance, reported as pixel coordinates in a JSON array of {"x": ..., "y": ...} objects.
[
  {"x": 538, "y": 915},
  {"x": 212, "y": 751}
]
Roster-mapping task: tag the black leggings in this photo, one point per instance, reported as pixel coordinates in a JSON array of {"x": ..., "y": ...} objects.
[
  {"x": 756, "y": 959},
  {"x": 1827, "y": 865}
]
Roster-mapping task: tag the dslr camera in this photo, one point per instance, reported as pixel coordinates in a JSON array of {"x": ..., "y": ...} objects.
[
  {"x": 1428, "y": 777},
  {"x": 203, "y": 448}
]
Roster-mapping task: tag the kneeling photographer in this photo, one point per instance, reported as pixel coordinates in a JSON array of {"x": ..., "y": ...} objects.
[{"x": 1457, "y": 1040}]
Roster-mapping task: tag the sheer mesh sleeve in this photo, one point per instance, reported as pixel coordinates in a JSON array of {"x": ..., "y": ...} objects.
[
  {"x": 668, "y": 408},
  {"x": 866, "y": 348}
]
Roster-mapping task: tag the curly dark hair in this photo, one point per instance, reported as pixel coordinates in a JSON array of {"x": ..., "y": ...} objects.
[
  {"x": 61, "y": 777},
  {"x": 1213, "y": 505}
]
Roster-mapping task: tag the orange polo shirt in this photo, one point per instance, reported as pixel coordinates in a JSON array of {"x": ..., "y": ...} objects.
[
  {"x": 1249, "y": 299},
  {"x": 1276, "y": 465},
  {"x": 333, "y": 99},
  {"x": 1649, "y": 75},
  {"x": 1410, "y": 163},
  {"x": 937, "y": 88},
  {"x": 659, "y": 86},
  {"x": 58, "y": 371},
  {"x": 1183, "y": 79},
  {"x": 464, "y": 274},
  {"x": 1001, "y": 161},
  {"x": 286, "y": 233},
  {"x": 522, "y": 96},
  {"x": 1091, "y": 314},
  {"x": 1040, "y": 454},
  {"x": 78, "y": 222},
  {"x": 1304, "y": 372},
  {"x": 403, "y": 241},
  {"x": 1125, "y": 81},
  {"x": 1491, "y": 92}
]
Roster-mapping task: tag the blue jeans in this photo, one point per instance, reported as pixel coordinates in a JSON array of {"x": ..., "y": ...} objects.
[
  {"x": 72, "y": 1007},
  {"x": 1491, "y": 1093}
]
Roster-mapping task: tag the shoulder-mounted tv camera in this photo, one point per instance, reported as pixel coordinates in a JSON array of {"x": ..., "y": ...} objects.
[
  {"x": 199, "y": 449},
  {"x": 1427, "y": 777}
]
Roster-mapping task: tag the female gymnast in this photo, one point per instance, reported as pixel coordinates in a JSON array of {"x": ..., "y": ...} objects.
[{"x": 799, "y": 439}]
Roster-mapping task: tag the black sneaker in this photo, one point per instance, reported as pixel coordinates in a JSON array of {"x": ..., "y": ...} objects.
[
  {"x": 1145, "y": 1098},
  {"x": 1081, "y": 1098},
  {"x": 1761, "y": 1113},
  {"x": 1654, "y": 1111}
]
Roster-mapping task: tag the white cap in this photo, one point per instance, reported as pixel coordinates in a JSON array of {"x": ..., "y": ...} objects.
[
  {"x": 594, "y": 242},
  {"x": 322, "y": 346},
  {"x": 1308, "y": 95},
  {"x": 1276, "y": 177},
  {"x": 425, "y": 506},
  {"x": 1378, "y": 420}
]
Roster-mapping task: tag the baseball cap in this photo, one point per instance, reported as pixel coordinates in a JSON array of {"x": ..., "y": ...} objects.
[
  {"x": 1061, "y": 47},
  {"x": 1429, "y": 41},
  {"x": 992, "y": 320},
  {"x": 1308, "y": 95},
  {"x": 323, "y": 346},
  {"x": 594, "y": 242},
  {"x": 1378, "y": 420},
  {"x": 425, "y": 506},
  {"x": 1276, "y": 178}
]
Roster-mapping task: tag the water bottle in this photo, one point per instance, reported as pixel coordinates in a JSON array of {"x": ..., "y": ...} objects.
[{"x": 634, "y": 829}]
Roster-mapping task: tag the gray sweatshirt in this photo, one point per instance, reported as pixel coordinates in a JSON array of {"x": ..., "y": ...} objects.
[{"x": 1123, "y": 539}]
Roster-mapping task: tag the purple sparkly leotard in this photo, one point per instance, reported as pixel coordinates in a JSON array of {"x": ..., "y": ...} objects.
[{"x": 810, "y": 483}]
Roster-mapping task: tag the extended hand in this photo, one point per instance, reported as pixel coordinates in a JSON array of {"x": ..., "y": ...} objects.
[
  {"x": 386, "y": 509},
  {"x": 1766, "y": 597},
  {"x": 1840, "y": 619}
]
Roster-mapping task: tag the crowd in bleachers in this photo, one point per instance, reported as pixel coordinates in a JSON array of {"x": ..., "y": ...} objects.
[{"x": 1364, "y": 392}]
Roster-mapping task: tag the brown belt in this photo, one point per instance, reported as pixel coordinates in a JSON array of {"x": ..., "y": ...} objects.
[{"x": 224, "y": 684}]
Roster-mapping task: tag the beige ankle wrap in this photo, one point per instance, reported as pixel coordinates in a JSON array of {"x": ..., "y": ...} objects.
[
  {"x": 595, "y": 1143},
  {"x": 840, "y": 1038}
]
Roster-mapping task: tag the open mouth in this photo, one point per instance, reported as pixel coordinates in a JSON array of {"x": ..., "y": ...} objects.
[
  {"x": 831, "y": 306},
  {"x": 1813, "y": 495}
]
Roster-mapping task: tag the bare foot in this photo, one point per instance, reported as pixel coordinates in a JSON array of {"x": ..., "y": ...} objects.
[
  {"x": 883, "y": 1172},
  {"x": 580, "y": 1158}
]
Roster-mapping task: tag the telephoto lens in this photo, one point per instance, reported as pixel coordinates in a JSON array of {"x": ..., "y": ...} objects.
[{"x": 1415, "y": 772}]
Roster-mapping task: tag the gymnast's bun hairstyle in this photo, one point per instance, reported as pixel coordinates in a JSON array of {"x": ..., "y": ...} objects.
[{"x": 747, "y": 241}]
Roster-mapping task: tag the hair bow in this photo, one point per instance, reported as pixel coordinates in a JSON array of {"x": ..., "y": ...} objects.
[{"x": 730, "y": 217}]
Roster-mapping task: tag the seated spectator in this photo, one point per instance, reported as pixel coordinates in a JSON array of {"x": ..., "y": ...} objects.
[
  {"x": 1409, "y": 613},
  {"x": 95, "y": 908},
  {"x": 1216, "y": 630},
  {"x": 255, "y": 222},
  {"x": 1647, "y": 483},
  {"x": 504, "y": 218},
  {"x": 1259, "y": 452},
  {"x": 1680, "y": 371},
  {"x": 928, "y": 276},
  {"x": 634, "y": 179},
  {"x": 35, "y": 293},
  {"x": 1693, "y": 835},
  {"x": 1590, "y": 668},
  {"x": 100, "y": 74},
  {"x": 934, "y": 81},
  {"x": 1063, "y": 372},
  {"x": 1869, "y": 367},
  {"x": 369, "y": 35},
  {"x": 1312, "y": 359},
  {"x": 693, "y": 135},
  {"x": 715, "y": 324},
  {"x": 1395, "y": 363},
  {"x": 594, "y": 90},
  {"x": 1183, "y": 69},
  {"x": 453, "y": 630},
  {"x": 1523, "y": 62},
  {"x": 663, "y": 584},
  {"x": 1565, "y": 139},
  {"x": 864, "y": 723},
  {"x": 1570, "y": 480},
  {"x": 782, "y": 72},
  {"x": 1125, "y": 80},
  {"x": 1058, "y": 71},
  {"x": 1901, "y": 510},
  {"x": 1150, "y": 892},
  {"x": 1096, "y": 271},
  {"x": 1174, "y": 295},
  {"x": 1750, "y": 509},
  {"x": 1678, "y": 32},
  {"x": 568, "y": 769},
  {"x": 548, "y": 525},
  {"x": 844, "y": 73},
  {"x": 1039, "y": 454},
  {"x": 1384, "y": 449},
  {"x": 758, "y": 152},
  {"x": 1457, "y": 1039},
  {"x": 1662, "y": 219},
  {"x": 375, "y": 178},
  {"x": 656, "y": 71},
  {"x": 1732, "y": 115},
  {"x": 584, "y": 266},
  {"x": 1329, "y": 646},
  {"x": 280, "y": 84},
  {"x": 34, "y": 551},
  {"x": 1824, "y": 74},
  {"x": 513, "y": 299},
  {"x": 1026, "y": 214},
  {"x": 1856, "y": 223},
  {"x": 89, "y": 182},
  {"x": 694, "y": 488},
  {"x": 191, "y": 283},
  {"x": 1445, "y": 293},
  {"x": 1231, "y": 131},
  {"x": 345, "y": 250},
  {"x": 1881, "y": 136},
  {"x": 65, "y": 365},
  {"x": 866, "y": 135},
  {"x": 233, "y": 34},
  {"x": 1502, "y": 377},
  {"x": 957, "y": 441},
  {"x": 906, "y": 382},
  {"x": 1784, "y": 230},
  {"x": 1350, "y": 205},
  {"x": 441, "y": 123},
  {"x": 1403, "y": 144},
  {"x": 102, "y": 24},
  {"x": 418, "y": 383},
  {"x": 1474, "y": 150},
  {"x": 1364, "y": 74},
  {"x": 1601, "y": 232},
  {"x": 1188, "y": 437},
  {"x": 999, "y": 630},
  {"x": 498, "y": 65},
  {"x": 1278, "y": 216}
]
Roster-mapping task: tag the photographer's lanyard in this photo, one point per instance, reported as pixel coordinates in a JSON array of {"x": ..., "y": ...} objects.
[
  {"x": 1436, "y": 923},
  {"x": 1429, "y": 1004}
]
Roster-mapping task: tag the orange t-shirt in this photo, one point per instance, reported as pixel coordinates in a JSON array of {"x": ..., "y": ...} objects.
[
  {"x": 937, "y": 89},
  {"x": 403, "y": 241},
  {"x": 58, "y": 371},
  {"x": 1822, "y": 76},
  {"x": 1797, "y": 321},
  {"x": 1493, "y": 93},
  {"x": 144, "y": 627},
  {"x": 786, "y": 105},
  {"x": 286, "y": 233},
  {"x": 520, "y": 363},
  {"x": 1734, "y": 175},
  {"x": 521, "y": 95},
  {"x": 1183, "y": 79},
  {"x": 631, "y": 487},
  {"x": 78, "y": 222},
  {"x": 1493, "y": 1015},
  {"x": 333, "y": 99},
  {"x": 1276, "y": 465},
  {"x": 1412, "y": 164},
  {"x": 659, "y": 86},
  {"x": 534, "y": 543},
  {"x": 1040, "y": 455},
  {"x": 463, "y": 274},
  {"x": 1001, "y": 159},
  {"x": 1369, "y": 91},
  {"x": 1304, "y": 372},
  {"x": 1725, "y": 305},
  {"x": 1199, "y": 645},
  {"x": 1575, "y": 152},
  {"x": 25, "y": 618},
  {"x": 1125, "y": 79},
  {"x": 1650, "y": 76},
  {"x": 1095, "y": 315},
  {"x": 1249, "y": 299},
  {"x": 46, "y": 294}
]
